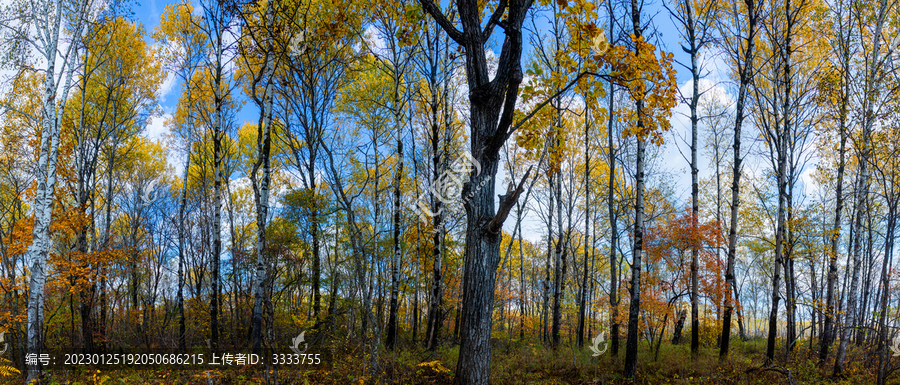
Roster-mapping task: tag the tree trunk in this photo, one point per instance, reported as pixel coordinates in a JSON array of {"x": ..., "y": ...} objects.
[
  {"x": 439, "y": 149},
  {"x": 51, "y": 122},
  {"x": 395, "y": 261},
  {"x": 314, "y": 233},
  {"x": 869, "y": 92},
  {"x": 745, "y": 71},
  {"x": 827, "y": 335},
  {"x": 789, "y": 277},
  {"x": 779, "y": 258},
  {"x": 885, "y": 292},
  {"x": 631, "y": 345},
  {"x": 261, "y": 188},
  {"x": 781, "y": 144},
  {"x": 521, "y": 278},
  {"x": 635, "y": 284},
  {"x": 218, "y": 178},
  {"x": 559, "y": 271},
  {"x": 545, "y": 314},
  {"x": 679, "y": 326},
  {"x": 181, "y": 246},
  {"x": 614, "y": 231},
  {"x": 582, "y": 300},
  {"x": 695, "y": 185},
  {"x": 849, "y": 313}
]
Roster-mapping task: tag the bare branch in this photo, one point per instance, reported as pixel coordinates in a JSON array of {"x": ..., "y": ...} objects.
[
  {"x": 442, "y": 20},
  {"x": 507, "y": 201}
]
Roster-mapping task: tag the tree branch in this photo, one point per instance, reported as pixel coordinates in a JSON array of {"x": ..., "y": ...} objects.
[
  {"x": 494, "y": 20},
  {"x": 442, "y": 20},
  {"x": 507, "y": 201},
  {"x": 554, "y": 96}
]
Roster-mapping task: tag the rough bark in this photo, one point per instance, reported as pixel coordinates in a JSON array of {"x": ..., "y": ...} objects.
[{"x": 492, "y": 103}]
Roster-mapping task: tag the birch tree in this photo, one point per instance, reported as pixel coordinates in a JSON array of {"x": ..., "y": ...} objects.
[{"x": 52, "y": 30}]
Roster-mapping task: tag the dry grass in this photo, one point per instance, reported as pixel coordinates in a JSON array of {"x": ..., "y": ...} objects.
[{"x": 516, "y": 362}]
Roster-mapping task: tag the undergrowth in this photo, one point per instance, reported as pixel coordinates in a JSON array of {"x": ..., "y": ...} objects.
[{"x": 520, "y": 362}]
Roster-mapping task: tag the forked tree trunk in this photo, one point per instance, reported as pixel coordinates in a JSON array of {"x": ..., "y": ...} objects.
[{"x": 492, "y": 102}]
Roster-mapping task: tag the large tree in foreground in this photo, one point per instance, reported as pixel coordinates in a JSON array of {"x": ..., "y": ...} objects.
[{"x": 492, "y": 104}]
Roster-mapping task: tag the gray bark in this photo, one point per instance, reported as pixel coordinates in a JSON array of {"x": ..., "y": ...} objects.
[{"x": 745, "y": 71}]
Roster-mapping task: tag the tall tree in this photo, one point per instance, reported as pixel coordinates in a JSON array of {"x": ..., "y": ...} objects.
[
  {"x": 840, "y": 43},
  {"x": 695, "y": 20},
  {"x": 216, "y": 29},
  {"x": 261, "y": 52},
  {"x": 610, "y": 204},
  {"x": 740, "y": 49},
  {"x": 652, "y": 89},
  {"x": 322, "y": 40},
  {"x": 394, "y": 32},
  {"x": 887, "y": 171},
  {"x": 41, "y": 25},
  {"x": 436, "y": 69},
  {"x": 491, "y": 108},
  {"x": 177, "y": 27},
  {"x": 875, "y": 59}
]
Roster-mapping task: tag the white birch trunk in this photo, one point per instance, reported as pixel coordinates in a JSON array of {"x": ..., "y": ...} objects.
[{"x": 51, "y": 120}]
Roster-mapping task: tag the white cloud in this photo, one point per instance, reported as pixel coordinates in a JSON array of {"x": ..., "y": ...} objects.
[
  {"x": 375, "y": 41},
  {"x": 678, "y": 140},
  {"x": 156, "y": 127},
  {"x": 807, "y": 177},
  {"x": 166, "y": 87}
]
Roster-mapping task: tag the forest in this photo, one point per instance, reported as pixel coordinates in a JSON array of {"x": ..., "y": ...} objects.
[{"x": 433, "y": 192}]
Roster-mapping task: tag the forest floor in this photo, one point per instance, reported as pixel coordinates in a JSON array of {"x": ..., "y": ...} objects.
[{"x": 523, "y": 363}]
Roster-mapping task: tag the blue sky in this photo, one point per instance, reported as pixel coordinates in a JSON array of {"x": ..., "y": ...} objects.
[{"x": 148, "y": 14}]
